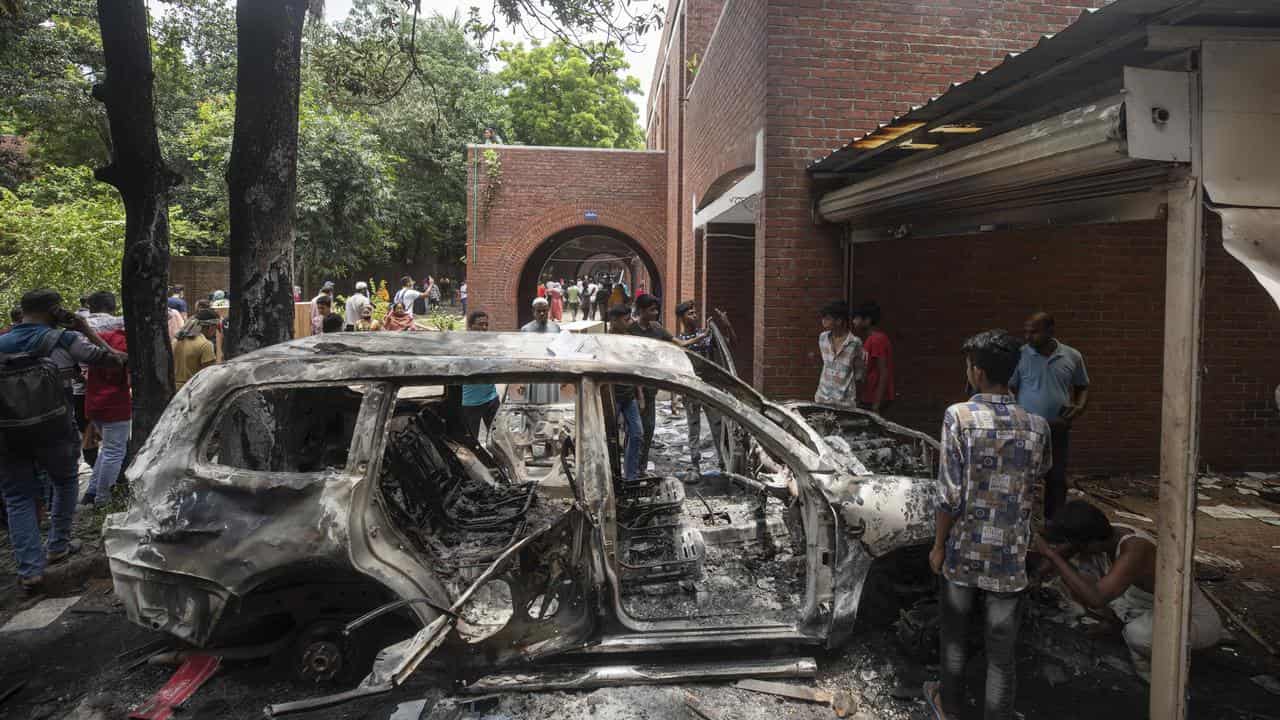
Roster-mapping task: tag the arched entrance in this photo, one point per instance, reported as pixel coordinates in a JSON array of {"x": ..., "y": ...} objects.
[{"x": 592, "y": 251}]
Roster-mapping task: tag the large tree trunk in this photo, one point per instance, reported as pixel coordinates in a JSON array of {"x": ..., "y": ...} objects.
[
  {"x": 138, "y": 171},
  {"x": 262, "y": 176}
]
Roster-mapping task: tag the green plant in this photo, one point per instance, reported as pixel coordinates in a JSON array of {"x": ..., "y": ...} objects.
[
  {"x": 492, "y": 180},
  {"x": 444, "y": 321}
]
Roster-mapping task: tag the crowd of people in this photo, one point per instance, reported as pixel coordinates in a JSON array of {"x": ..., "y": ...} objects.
[
  {"x": 585, "y": 298},
  {"x": 359, "y": 312}
]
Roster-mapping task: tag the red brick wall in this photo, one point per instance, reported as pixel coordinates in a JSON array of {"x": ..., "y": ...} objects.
[
  {"x": 199, "y": 275},
  {"x": 835, "y": 70},
  {"x": 547, "y": 190},
  {"x": 726, "y": 100},
  {"x": 1104, "y": 285},
  {"x": 729, "y": 287}
]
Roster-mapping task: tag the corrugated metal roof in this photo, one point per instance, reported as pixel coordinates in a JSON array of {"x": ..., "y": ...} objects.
[{"x": 1083, "y": 62}]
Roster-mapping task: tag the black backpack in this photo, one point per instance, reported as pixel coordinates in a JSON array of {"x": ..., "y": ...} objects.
[{"x": 31, "y": 390}]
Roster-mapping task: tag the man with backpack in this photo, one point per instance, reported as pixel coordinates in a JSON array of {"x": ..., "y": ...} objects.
[{"x": 38, "y": 357}]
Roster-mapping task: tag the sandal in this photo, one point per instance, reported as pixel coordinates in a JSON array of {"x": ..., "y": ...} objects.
[{"x": 932, "y": 691}]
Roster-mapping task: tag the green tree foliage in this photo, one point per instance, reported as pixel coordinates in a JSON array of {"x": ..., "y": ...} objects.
[
  {"x": 50, "y": 57},
  {"x": 390, "y": 100},
  {"x": 64, "y": 230},
  {"x": 346, "y": 182},
  {"x": 556, "y": 95}
]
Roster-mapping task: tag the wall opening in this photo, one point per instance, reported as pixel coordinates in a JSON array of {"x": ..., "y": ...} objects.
[{"x": 593, "y": 251}]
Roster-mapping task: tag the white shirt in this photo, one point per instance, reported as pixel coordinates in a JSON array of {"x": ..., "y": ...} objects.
[
  {"x": 357, "y": 302},
  {"x": 406, "y": 296}
]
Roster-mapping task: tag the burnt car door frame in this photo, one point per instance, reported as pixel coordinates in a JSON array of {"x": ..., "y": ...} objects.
[
  {"x": 524, "y": 637},
  {"x": 821, "y": 526}
]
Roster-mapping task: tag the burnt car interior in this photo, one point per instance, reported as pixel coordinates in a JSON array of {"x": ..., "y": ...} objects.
[
  {"x": 462, "y": 506},
  {"x": 720, "y": 548}
]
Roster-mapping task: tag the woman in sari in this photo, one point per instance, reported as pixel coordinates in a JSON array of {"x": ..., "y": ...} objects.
[{"x": 398, "y": 320}]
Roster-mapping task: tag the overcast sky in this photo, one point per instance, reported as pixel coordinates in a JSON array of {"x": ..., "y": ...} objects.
[{"x": 641, "y": 62}]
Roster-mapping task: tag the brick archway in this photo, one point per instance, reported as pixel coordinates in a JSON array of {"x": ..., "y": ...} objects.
[
  {"x": 545, "y": 192},
  {"x": 528, "y": 277}
]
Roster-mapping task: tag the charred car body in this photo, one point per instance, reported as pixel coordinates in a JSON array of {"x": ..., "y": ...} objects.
[{"x": 318, "y": 479}]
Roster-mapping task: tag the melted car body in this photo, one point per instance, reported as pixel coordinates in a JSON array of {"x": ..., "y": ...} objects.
[{"x": 342, "y": 461}]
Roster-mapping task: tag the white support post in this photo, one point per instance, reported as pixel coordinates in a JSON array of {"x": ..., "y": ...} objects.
[{"x": 1179, "y": 434}]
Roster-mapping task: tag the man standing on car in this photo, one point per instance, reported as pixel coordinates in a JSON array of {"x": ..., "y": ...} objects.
[
  {"x": 1051, "y": 381},
  {"x": 648, "y": 309},
  {"x": 479, "y": 402},
  {"x": 53, "y": 443},
  {"x": 993, "y": 455}
]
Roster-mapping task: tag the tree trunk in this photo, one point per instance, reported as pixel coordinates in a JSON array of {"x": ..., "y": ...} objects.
[
  {"x": 138, "y": 171},
  {"x": 262, "y": 175}
]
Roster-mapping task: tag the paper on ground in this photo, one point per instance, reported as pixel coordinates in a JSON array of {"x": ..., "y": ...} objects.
[
  {"x": 40, "y": 615},
  {"x": 1231, "y": 512}
]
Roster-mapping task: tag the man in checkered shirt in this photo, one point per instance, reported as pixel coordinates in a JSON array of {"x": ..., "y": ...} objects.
[{"x": 994, "y": 456}]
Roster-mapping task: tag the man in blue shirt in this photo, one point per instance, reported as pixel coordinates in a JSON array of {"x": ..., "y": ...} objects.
[
  {"x": 52, "y": 444},
  {"x": 1051, "y": 381},
  {"x": 479, "y": 402}
]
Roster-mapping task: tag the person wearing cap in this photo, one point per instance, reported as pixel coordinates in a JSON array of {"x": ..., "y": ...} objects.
[
  {"x": 356, "y": 304},
  {"x": 193, "y": 351},
  {"x": 542, "y": 393},
  {"x": 875, "y": 390},
  {"x": 52, "y": 444}
]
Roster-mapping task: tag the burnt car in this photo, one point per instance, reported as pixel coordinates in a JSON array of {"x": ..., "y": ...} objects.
[{"x": 315, "y": 481}]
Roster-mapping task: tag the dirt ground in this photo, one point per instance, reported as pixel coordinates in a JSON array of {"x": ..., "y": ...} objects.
[{"x": 81, "y": 666}]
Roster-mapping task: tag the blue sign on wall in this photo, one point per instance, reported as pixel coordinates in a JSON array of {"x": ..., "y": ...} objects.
[{"x": 591, "y": 215}]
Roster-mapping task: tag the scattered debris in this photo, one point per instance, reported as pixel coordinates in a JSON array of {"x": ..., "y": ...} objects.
[
  {"x": 610, "y": 675},
  {"x": 1132, "y": 516},
  {"x": 1267, "y": 682},
  {"x": 1256, "y": 586},
  {"x": 411, "y": 710},
  {"x": 795, "y": 692},
  {"x": 12, "y": 690},
  {"x": 39, "y": 615},
  {"x": 193, "y": 673},
  {"x": 1239, "y": 621},
  {"x": 1204, "y": 557},
  {"x": 692, "y": 702}
]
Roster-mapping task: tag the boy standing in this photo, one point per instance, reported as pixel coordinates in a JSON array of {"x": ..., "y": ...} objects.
[
  {"x": 993, "y": 455},
  {"x": 842, "y": 359},
  {"x": 876, "y": 390}
]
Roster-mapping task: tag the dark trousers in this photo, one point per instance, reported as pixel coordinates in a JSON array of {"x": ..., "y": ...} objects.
[
  {"x": 649, "y": 420},
  {"x": 1055, "y": 483},
  {"x": 472, "y": 415},
  {"x": 1002, "y": 616}
]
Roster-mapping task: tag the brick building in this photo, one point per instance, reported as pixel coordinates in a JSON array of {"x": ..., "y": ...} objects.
[{"x": 748, "y": 96}]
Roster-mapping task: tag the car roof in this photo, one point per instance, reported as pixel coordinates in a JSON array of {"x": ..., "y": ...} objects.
[{"x": 606, "y": 353}]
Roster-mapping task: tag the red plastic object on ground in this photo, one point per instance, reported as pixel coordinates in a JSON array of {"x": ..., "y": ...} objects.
[{"x": 193, "y": 673}]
